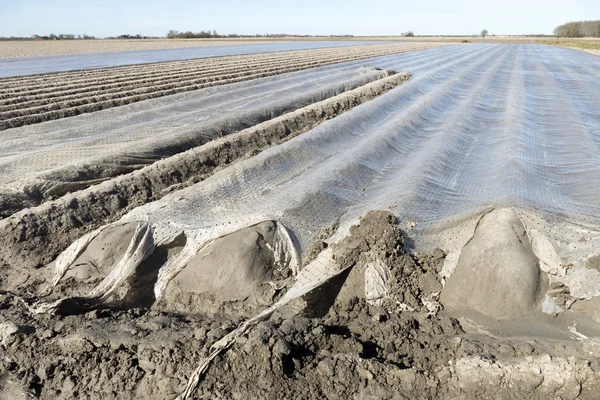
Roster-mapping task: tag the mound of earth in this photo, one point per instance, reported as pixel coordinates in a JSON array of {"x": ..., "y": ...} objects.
[{"x": 497, "y": 273}]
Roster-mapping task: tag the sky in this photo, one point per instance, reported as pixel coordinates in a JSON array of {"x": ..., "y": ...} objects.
[{"x": 313, "y": 17}]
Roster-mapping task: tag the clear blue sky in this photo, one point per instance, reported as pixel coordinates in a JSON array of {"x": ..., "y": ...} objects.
[{"x": 357, "y": 17}]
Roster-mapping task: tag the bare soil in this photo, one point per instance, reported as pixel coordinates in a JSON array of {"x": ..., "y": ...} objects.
[
  {"x": 344, "y": 348},
  {"x": 17, "y": 49}
]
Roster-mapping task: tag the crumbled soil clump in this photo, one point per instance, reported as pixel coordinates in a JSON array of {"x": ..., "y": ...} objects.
[{"x": 355, "y": 351}]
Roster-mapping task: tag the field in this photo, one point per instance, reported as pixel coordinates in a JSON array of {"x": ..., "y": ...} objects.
[
  {"x": 589, "y": 45},
  {"x": 34, "y": 99},
  {"x": 392, "y": 220},
  {"x": 16, "y": 49}
]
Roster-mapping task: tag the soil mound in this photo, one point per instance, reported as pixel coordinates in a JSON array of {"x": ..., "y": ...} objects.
[
  {"x": 497, "y": 273},
  {"x": 235, "y": 275}
]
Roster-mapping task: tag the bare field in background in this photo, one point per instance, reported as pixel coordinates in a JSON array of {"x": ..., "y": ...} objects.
[
  {"x": 589, "y": 45},
  {"x": 17, "y": 49},
  {"x": 32, "y": 48}
]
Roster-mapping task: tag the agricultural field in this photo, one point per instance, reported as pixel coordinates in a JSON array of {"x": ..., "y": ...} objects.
[
  {"x": 391, "y": 220},
  {"x": 30, "y": 48},
  {"x": 17, "y": 49},
  {"x": 590, "y": 45},
  {"x": 34, "y": 99}
]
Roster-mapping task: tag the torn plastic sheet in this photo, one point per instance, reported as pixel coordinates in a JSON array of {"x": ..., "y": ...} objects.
[
  {"x": 145, "y": 239},
  {"x": 377, "y": 275}
]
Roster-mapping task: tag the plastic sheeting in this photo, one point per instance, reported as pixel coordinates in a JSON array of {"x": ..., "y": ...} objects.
[
  {"x": 477, "y": 127},
  {"x": 137, "y": 134},
  {"x": 38, "y": 65}
]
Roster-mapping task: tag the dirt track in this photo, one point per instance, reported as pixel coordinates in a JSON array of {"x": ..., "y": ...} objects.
[{"x": 34, "y": 99}]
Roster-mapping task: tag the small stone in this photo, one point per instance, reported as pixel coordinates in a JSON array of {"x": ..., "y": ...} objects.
[
  {"x": 216, "y": 333},
  {"x": 524, "y": 349},
  {"x": 94, "y": 314},
  {"x": 326, "y": 368},
  {"x": 324, "y": 354},
  {"x": 41, "y": 372},
  {"x": 429, "y": 284},
  {"x": 438, "y": 254},
  {"x": 282, "y": 348},
  {"x": 131, "y": 329},
  {"x": 7, "y": 329},
  {"x": 75, "y": 344},
  {"x": 318, "y": 331},
  {"x": 200, "y": 333},
  {"x": 407, "y": 378},
  {"x": 363, "y": 373},
  {"x": 147, "y": 365},
  {"x": 287, "y": 327},
  {"x": 390, "y": 348},
  {"x": 68, "y": 386},
  {"x": 46, "y": 334}
]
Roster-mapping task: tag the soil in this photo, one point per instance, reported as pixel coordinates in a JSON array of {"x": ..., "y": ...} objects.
[
  {"x": 500, "y": 269},
  {"x": 345, "y": 348}
]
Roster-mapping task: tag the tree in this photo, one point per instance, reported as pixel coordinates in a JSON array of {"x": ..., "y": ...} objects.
[
  {"x": 578, "y": 29},
  {"x": 409, "y": 34},
  {"x": 484, "y": 33}
]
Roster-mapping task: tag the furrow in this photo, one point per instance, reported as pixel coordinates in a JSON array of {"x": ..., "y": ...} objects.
[
  {"x": 90, "y": 102},
  {"x": 96, "y": 205}
]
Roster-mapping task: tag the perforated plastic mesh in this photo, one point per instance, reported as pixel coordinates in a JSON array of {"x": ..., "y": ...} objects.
[
  {"x": 478, "y": 126},
  {"x": 24, "y": 66},
  {"x": 143, "y": 132}
]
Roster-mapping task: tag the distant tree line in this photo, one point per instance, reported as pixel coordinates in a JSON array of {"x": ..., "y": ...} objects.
[
  {"x": 193, "y": 35},
  {"x": 70, "y": 36},
  {"x": 52, "y": 36},
  {"x": 172, "y": 34},
  {"x": 127, "y": 36},
  {"x": 578, "y": 29}
]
